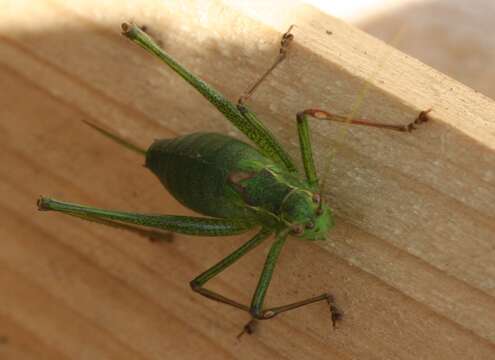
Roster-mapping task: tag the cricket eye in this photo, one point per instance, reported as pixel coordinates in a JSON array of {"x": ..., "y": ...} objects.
[
  {"x": 310, "y": 225},
  {"x": 297, "y": 229}
]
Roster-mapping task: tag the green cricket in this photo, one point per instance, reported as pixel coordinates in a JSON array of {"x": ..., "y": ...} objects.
[{"x": 235, "y": 185}]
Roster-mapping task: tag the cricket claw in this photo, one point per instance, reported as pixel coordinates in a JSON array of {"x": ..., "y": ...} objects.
[
  {"x": 422, "y": 118},
  {"x": 335, "y": 313},
  {"x": 40, "y": 204},
  {"x": 287, "y": 38},
  {"x": 248, "y": 328}
]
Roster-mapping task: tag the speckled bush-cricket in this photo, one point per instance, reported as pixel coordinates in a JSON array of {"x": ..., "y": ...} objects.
[{"x": 235, "y": 185}]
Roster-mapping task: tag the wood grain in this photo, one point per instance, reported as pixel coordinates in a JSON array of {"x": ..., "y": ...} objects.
[{"x": 411, "y": 261}]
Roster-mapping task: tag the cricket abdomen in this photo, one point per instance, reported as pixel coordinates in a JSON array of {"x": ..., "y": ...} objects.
[{"x": 197, "y": 170}]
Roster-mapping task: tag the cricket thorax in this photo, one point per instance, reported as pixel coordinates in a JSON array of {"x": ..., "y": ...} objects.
[{"x": 285, "y": 198}]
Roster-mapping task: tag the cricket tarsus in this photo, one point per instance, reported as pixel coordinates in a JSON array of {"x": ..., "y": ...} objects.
[
  {"x": 226, "y": 180},
  {"x": 287, "y": 38},
  {"x": 249, "y": 328},
  {"x": 336, "y": 314},
  {"x": 422, "y": 118}
]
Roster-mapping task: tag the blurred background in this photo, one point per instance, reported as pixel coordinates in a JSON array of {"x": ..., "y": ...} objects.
[{"x": 452, "y": 36}]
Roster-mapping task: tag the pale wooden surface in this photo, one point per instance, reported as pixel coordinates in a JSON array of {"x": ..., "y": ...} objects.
[{"x": 411, "y": 261}]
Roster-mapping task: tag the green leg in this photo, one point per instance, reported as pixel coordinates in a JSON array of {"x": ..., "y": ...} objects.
[
  {"x": 250, "y": 116},
  {"x": 249, "y": 125},
  {"x": 174, "y": 223},
  {"x": 256, "y": 308},
  {"x": 277, "y": 152},
  {"x": 199, "y": 281},
  {"x": 152, "y": 235},
  {"x": 304, "y": 137},
  {"x": 306, "y": 151}
]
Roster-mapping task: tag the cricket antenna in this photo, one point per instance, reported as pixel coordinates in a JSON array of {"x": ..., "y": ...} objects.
[
  {"x": 116, "y": 138},
  {"x": 357, "y": 105}
]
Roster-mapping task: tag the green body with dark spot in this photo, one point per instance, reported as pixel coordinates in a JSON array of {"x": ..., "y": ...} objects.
[
  {"x": 200, "y": 170},
  {"x": 195, "y": 169}
]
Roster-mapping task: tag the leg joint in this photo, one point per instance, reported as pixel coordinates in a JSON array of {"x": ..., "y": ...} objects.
[
  {"x": 259, "y": 314},
  {"x": 300, "y": 116},
  {"x": 195, "y": 286},
  {"x": 241, "y": 107}
]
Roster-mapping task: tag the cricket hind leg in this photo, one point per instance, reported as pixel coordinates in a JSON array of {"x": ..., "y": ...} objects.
[
  {"x": 245, "y": 121},
  {"x": 172, "y": 223},
  {"x": 256, "y": 309},
  {"x": 151, "y": 235},
  {"x": 266, "y": 140}
]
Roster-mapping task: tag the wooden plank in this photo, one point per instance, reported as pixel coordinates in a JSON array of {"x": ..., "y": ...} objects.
[{"x": 410, "y": 261}]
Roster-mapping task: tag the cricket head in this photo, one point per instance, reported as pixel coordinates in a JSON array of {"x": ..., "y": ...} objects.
[{"x": 306, "y": 215}]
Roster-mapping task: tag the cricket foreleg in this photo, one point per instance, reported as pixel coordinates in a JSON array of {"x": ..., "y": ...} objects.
[
  {"x": 256, "y": 309},
  {"x": 287, "y": 38},
  {"x": 174, "y": 223},
  {"x": 199, "y": 281},
  {"x": 325, "y": 115}
]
